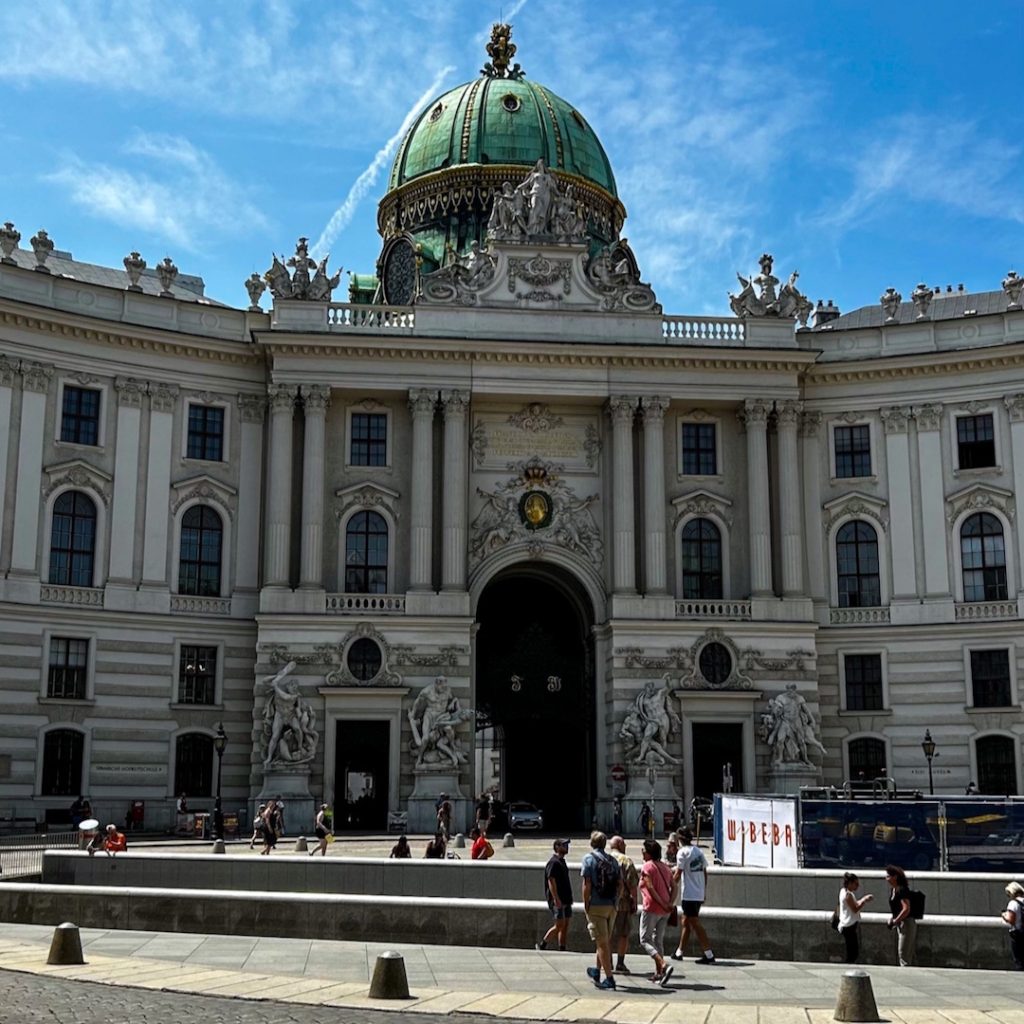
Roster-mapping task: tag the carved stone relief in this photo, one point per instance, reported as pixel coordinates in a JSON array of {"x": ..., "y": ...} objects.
[
  {"x": 980, "y": 498},
  {"x": 77, "y": 473}
]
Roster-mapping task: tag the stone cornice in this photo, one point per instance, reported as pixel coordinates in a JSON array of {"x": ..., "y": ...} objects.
[{"x": 924, "y": 364}]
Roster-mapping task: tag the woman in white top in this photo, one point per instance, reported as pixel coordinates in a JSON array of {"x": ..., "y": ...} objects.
[
  {"x": 1013, "y": 915},
  {"x": 849, "y": 915}
]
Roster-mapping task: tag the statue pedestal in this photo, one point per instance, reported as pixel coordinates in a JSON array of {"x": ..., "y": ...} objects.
[
  {"x": 431, "y": 782},
  {"x": 657, "y": 786},
  {"x": 292, "y": 786},
  {"x": 786, "y": 779}
]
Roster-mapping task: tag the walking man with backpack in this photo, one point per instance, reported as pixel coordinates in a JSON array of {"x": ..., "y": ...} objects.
[{"x": 602, "y": 881}]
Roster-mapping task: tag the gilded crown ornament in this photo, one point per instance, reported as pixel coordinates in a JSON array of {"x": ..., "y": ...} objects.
[{"x": 501, "y": 50}]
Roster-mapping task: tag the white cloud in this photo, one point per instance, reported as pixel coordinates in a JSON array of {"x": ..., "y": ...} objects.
[{"x": 188, "y": 198}]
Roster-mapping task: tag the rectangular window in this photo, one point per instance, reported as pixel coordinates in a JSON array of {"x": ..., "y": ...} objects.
[
  {"x": 853, "y": 451},
  {"x": 990, "y": 679},
  {"x": 197, "y": 675},
  {"x": 369, "y": 439},
  {"x": 975, "y": 441},
  {"x": 80, "y": 416},
  {"x": 68, "y": 668},
  {"x": 863, "y": 682},
  {"x": 205, "y": 433},
  {"x": 700, "y": 457}
]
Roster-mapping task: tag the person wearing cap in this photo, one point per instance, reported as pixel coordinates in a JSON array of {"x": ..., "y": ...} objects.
[
  {"x": 558, "y": 890},
  {"x": 692, "y": 871},
  {"x": 1013, "y": 915}
]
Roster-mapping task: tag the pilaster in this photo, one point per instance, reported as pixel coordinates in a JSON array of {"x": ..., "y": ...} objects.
[
  {"x": 8, "y": 371},
  {"x": 810, "y": 432},
  {"x": 622, "y": 410},
  {"x": 162, "y": 401},
  {"x": 754, "y": 417},
  {"x": 130, "y": 393},
  {"x": 787, "y": 418},
  {"x": 315, "y": 399},
  {"x": 422, "y": 403},
  {"x": 654, "y": 407},
  {"x": 277, "y": 551},
  {"x": 251, "y": 413},
  {"x": 455, "y": 514},
  {"x": 895, "y": 420},
  {"x": 929, "y": 467},
  {"x": 1015, "y": 409}
]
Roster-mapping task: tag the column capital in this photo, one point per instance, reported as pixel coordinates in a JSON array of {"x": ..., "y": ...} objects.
[
  {"x": 316, "y": 398},
  {"x": 621, "y": 408},
  {"x": 36, "y": 376},
  {"x": 928, "y": 416},
  {"x": 8, "y": 368},
  {"x": 654, "y": 407},
  {"x": 895, "y": 418},
  {"x": 162, "y": 397},
  {"x": 1015, "y": 407},
  {"x": 787, "y": 413},
  {"x": 422, "y": 401},
  {"x": 454, "y": 402},
  {"x": 809, "y": 423},
  {"x": 252, "y": 408},
  {"x": 129, "y": 391},
  {"x": 281, "y": 397},
  {"x": 754, "y": 412}
]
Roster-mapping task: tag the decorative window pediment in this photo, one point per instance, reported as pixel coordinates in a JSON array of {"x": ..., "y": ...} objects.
[
  {"x": 980, "y": 497},
  {"x": 204, "y": 488},
  {"x": 366, "y": 496},
  {"x": 365, "y": 660},
  {"x": 856, "y": 505},
  {"x": 702, "y": 503},
  {"x": 715, "y": 665},
  {"x": 77, "y": 473}
]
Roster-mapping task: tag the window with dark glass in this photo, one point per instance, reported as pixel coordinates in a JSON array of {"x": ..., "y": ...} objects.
[
  {"x": 983, "y": 558},
  {"x": 62, "y": 762},
  {"x": 193, "y": 764},
  {"x": 197, "y": 675},
  {"x": 975, "y": 441},
  {"x": 72, "y": 540},
  {"x": 853, "y": 451},
  {"x": 857, "y": 566},
  {"x": 364, "y": 659},
  {"x": 366, "y": 554},
  {"x": 68, "y": 668},
  {"x": 199, "y": 561},
  {"x": 867, "y": 758},
  {"x": 997, "y": 765},
  {"x": 369, "y": 444},
  {"x": 700, "y": 457},
  {"x": 80, "y": 416},
  {"x": 702, "y": 560},
  {"x": 863, "y": 682},
  {"x": 205, "y": 433},
  {"x": 990, "y": 678},
  {"x": 715, "y": 663}
]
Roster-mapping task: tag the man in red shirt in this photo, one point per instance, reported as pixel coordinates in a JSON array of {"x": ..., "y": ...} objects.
[
  {"x": 481, "y": 849},
  {"x": 114, "y": 841}
]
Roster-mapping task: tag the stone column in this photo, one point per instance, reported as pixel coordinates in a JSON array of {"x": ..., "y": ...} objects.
[
  {"x": 1015, "y": 408},
  {"x": 622, "y": 409},
  {"x": 35, "y": 382},
  {"x": 8, "y": 370},
  {"x": 787, "y": 417},
  {"x": 810, "y": 425},
  {"x": 455, "y": 405},
  {"x": 422, "y": 402},
  {"x": 901, "y": 513},
  {"x": 754, "y": 416},
  {"x": 316, "y": 398},
  {"x": 130, "y": 393},
  {"x": 654, "y": 407},
  {"x": 162, "y": 400},
  {"x": 276, "y": 568},
  {"x": 933, "y": 504},
  {"x": 251, "y": 412}
]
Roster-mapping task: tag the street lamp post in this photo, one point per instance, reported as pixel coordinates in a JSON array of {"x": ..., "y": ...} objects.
[
  {"x": 928, "y": 746},
  {"x": 220, "y": 741}
]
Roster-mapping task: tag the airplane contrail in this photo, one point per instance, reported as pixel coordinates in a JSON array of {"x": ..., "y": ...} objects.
[{"x": 343, "y": 214}]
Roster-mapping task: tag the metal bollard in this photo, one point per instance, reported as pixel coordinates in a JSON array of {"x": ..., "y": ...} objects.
[
  {"x": 460, "y": 841},
  {"x": 218, "y": 846},
  {"x": 508, "y": 841},
  {"x": 389, "y": 980},
  {"x": 856, "y": 1000},
  {"x": 300, "y": 845},
  {"x": 66, "y": 946}
]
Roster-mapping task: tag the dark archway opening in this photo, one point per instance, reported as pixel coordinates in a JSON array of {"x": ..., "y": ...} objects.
[{"x": 535, "y": 694}]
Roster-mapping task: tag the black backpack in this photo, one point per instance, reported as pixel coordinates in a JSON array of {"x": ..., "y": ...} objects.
[
  {"x": 916, "y": 904},
  {"x": 606, "y": 875}
]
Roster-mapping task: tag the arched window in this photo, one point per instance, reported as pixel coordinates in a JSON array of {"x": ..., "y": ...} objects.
[
  {"x": 702, "y": 560},
  {"x": 199, "y": 563},
  {"x": 73, "y": 540},
  {"x": 983, "y": 557},
  {"x": 857, "y": 566},
  {"x": 867, "y": 758},
  {"x": 997, "y": 765},
  {"x": 366, "y": 554},
  {"x": 62, "y": 762},
  {"x": 193, "y": 764}
]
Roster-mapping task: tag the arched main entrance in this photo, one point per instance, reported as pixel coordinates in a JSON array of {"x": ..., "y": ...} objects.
[{"x": 535, "y": 693}]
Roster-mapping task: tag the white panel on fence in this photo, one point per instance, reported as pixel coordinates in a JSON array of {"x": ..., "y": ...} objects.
[{"x": 759, "y": 832}]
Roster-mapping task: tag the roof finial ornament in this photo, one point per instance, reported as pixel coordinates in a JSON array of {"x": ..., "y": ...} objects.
[{"x": 501, "y": 50}]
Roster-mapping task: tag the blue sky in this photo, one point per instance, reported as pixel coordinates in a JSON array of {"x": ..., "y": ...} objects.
[{"x": 865, "y": 144}]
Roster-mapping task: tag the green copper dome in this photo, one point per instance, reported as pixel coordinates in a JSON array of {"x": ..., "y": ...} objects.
[{"x": 502, "y": 121}]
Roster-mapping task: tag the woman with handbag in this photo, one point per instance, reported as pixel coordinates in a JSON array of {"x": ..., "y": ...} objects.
[
  {"x": 656, "y": 897},
  {"x": 849, "y": 915}
]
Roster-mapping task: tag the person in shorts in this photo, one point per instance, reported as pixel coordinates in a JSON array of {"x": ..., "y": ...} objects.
[
  {"x": 558, "y": 890},
  {"x": 625, "y": 910},
  {"x": 599, "y": 908},
  {"x": 692, "y": 872}
]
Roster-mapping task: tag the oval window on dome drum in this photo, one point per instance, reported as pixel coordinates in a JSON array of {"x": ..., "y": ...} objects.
[
  {"x": 436, "y": 112},
  {"x": 511, "y": 102},
  {"x": 364, "y": 659},
  {"x": 398, "y": 278}
]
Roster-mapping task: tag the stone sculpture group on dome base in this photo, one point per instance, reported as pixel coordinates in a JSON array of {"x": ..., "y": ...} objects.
[
  {"x": 301, "y": 283},
  {"x": 761, "y": 296}
]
